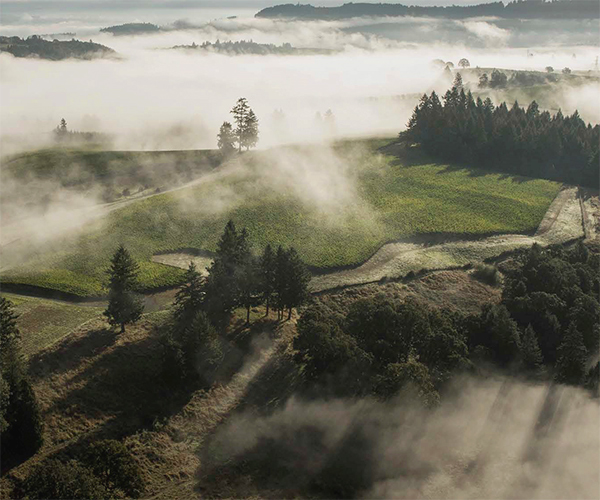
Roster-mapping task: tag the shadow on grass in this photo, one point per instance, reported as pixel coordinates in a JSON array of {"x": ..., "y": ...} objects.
[
  {"x": 70, "y": 353},
  {"x": 409, "y": 156}
]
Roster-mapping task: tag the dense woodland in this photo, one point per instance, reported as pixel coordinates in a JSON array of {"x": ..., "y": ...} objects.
[
  {"x": 519, "y": 141},
  {"x": 544, "y": 328},
  {"x": 35, "y": 46},
  {"x": 520, "y": 9}
]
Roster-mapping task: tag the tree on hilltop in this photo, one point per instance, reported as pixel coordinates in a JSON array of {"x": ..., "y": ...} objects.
[
  {"x": 226, "y": 139},
  {"x": 246, "y": 131}
]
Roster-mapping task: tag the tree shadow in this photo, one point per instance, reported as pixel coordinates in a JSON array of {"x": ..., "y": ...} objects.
[
  {"x": 71, "y": 352},
  {"x": 406, "y": 155}
]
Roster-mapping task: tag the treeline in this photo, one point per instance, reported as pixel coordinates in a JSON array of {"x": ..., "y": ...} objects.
[
  {"x": 499, "y": 80},
  {"x": 517, "y": 140},
  {"x": 63, "y": 135},
  {"x": 545, "y": 328},
  {"x": 250, "y": 47},
  {"x": 35, "y": 46},
  {"x": 518, "y": 9}
]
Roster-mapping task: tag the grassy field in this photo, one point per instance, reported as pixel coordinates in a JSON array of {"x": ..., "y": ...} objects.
[
  {"x": 341, "y": 219},
  {"x": 43, "y": 322}
]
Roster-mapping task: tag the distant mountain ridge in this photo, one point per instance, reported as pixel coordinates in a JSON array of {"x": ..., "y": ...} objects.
[{"x": 519, "y": 9}]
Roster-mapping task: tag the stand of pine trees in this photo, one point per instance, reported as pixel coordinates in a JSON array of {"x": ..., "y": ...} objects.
[
  {"x": 236, "y": 279},
  {"x": 516, "y": 140},
  {"x": 21, "y": 422}
]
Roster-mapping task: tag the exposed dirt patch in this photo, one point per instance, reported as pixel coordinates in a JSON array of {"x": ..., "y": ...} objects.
[{"x": 183, "y": 259}]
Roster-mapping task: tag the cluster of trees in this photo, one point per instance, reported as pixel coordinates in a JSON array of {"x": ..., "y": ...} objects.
[
  {"x": 250, "y": 47},
  {"x": 203, "y": 306},
  {"x": 105, "y": 469},
  {"x": 546, "y": 326},
  {"x": 236, "y": 278},
  {"x": 63, "y": 135},
  {"x": 21, "y": 423},
  {"x": 516, "y": 140},
  {"x": 499, "y": 80},
  {"x": 55, "y": 50},
  {"x": 245, "y": 133},
  {"x": 379, "y": 347},
  {"x": 552, "y": 300}
]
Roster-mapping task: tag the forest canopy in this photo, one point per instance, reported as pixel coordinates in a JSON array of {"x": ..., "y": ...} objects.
[
  {"x": 520, "y": 141},
  {"x": 36, "y": 46}
]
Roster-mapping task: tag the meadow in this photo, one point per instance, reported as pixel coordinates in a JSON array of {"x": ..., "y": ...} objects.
[{"x": 379, "y": 194}]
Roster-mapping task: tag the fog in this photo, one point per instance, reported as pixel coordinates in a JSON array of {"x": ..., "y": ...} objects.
[
  {"x": 494, "y": 438},
  {"x": 154, "y": 98}
]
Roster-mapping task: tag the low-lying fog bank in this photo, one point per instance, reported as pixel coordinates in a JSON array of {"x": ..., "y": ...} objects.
[
  {"x": 494, "y": 438},
  {"x": 155, "y": 98}
]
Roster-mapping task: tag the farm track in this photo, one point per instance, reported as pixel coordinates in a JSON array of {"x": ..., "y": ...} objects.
[
  {"x": 13, "y": 232},
  {"x": 563, "y": 222}
]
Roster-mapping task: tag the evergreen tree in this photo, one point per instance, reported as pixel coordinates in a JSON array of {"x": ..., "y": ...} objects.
[
  {"x": 250, "y": 130},
  {"x": 298, "y": 277},
  {"x": 572, "y": 356},
  {"x": 530, "y": 351},
  {"x": 189, "y": 298},
  {"x": 22, "y": 425},
  {"x": 124, "y": 306},
  {"x": 246, "y": 131},
  {"x": 223, "y": 292},
  {"x": 267, "y": 276},
  {"x": 226, "y": 139}
]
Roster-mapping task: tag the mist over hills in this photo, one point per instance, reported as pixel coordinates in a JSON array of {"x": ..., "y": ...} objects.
[{"x": 531, "y": 9}]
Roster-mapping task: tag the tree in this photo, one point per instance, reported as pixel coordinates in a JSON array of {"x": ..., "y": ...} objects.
[
  {"x": 226, "y": 139},
  {"x": 250, "y": 130},
  {"x": 464, "y": 63},
  {"x": 531, "y": 353},
  {"x": 114, "y": 465},
  {"x": 484, "y": 81},
  {"x": 189, "y": 298},
  {"x": 22, "y": 425},
  {"x": 566, "y": 71},
  {"x": 411, "y": 375},
  {"x": 498, "y": 79},
  {"x": 549, "y": 69},
  {"x": 572, "y": 356},
  {"x": 246, "y": 131},
  {"x": 124, "y": 306},
  {"x": 298, "y": 279},
  {"x": 223, "y": 293},
  {"x": 267, "y": 272}
]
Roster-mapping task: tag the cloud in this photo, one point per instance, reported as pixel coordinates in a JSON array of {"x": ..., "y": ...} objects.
[{"x": 487, "y": 31}]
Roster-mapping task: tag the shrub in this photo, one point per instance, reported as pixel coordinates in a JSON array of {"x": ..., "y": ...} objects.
[
  {"x": 487, "y": 274},
  {"x": 54, "y": 479},
  {"x": 112, "y": 463}
]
